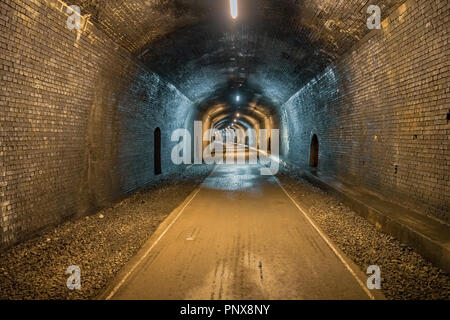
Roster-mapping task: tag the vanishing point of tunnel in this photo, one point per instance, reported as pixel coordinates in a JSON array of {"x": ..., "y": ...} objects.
[{"x": 225, "y": 150}]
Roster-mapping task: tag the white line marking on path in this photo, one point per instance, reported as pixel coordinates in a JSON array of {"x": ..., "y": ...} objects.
[
  {"x": 116, "y": 288},
  {"x": 325, "y": 238}
]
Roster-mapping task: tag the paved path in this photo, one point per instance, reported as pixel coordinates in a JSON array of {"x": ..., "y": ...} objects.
[{"x": 239, "y": 237}]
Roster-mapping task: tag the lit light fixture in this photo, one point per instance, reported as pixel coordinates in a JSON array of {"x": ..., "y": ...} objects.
[
  {"x": 234, "y": 8},
  {"x": 235, "y": 120},
  {"x": 238, "y": 98},
  {"x": 238, "y": 115}
]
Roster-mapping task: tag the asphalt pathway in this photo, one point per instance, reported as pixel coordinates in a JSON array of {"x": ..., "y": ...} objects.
[{"x": 239, "y": 236}]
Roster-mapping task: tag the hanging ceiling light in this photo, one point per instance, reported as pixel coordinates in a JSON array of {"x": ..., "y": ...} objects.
[{"x": 234, "y": 8}]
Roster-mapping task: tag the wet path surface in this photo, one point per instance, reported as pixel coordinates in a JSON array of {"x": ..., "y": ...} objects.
[{"x": 239, "y": 237}]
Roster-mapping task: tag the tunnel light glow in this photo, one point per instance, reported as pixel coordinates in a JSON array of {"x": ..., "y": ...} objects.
[{"x": 234, "y": 8}]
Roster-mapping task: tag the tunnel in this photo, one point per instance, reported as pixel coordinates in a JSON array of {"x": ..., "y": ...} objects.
[{"x": 227, "y": 149}]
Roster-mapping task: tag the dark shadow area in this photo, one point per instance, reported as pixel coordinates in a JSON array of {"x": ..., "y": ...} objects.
[{"x": 157, "y": 153}]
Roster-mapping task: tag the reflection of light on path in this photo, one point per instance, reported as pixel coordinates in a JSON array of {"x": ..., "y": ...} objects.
[{"x": 243, "y": 177}]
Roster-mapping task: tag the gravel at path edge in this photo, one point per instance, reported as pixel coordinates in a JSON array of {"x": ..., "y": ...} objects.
[
  {"x": 406, "y": 275},
  {"x": 99, "y": 244}
]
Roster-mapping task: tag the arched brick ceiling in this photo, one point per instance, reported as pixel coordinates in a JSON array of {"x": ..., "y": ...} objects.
[{"x": 271, "y": 50}]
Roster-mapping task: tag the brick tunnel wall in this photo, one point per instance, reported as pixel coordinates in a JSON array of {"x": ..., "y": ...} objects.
[
  {"x": 381, "y": 112},
  {"x": 77, "y": 117}
]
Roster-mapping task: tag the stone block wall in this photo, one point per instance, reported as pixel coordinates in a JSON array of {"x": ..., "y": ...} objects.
[
  {"x": 381, "y": 113},
  {"x": 77, "y": 119}
]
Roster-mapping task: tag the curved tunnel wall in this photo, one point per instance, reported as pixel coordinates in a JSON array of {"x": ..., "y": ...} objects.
[
  {"x": 380, "y": 111},
  {"x": 77, "y": 116}
]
